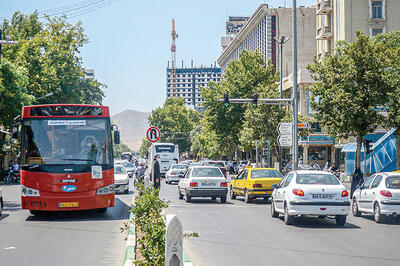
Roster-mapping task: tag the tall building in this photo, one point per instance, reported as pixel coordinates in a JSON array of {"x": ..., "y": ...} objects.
[
  {"x": 263, "y": 26},
  {"x": 188, "y": 83},
  {"x": 341, "y": 19}
]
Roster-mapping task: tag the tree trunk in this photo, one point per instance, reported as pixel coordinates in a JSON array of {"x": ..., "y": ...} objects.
[
  {"x": 358, "y": 151},
  {"x": 397, "y": 133}
]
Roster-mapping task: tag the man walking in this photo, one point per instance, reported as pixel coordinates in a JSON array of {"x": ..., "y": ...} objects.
[{"x": 156, "y": 172}]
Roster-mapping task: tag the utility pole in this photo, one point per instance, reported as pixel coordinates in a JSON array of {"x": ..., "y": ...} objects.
[
  {"x": 295, "y": 139},
  {"x": 281, "y": 41}
]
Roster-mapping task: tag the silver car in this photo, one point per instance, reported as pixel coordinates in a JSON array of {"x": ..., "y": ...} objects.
[
  {"x": 175, "y": 173},
  {"x": 378, "y": 195}
]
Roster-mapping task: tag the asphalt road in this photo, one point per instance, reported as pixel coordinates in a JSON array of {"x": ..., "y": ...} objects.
[
  {"x": 70, "y": 238},
  {"x": 237, "y": 233}
]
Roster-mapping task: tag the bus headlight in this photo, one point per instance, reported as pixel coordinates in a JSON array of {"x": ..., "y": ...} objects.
[
  {"x": 105, "y": 190},
  {"x": 30, "y": 192}
]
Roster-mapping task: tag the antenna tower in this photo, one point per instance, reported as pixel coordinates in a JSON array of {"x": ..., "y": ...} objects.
[{"x": 173, "y": 59}]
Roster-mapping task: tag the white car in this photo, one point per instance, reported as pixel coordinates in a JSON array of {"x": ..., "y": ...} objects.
[
  {"x": 175, "y": 172},
  {"x": 1, "y": 202},
  {"x": 121, "y": 178},
  {"x": 310, "y": 193},
  {"x": 203, "y": 181},
  {"x": 378, "y": 195}
]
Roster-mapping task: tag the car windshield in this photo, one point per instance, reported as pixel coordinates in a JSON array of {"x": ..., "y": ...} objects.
[
  {"x": 317, "y": 179},
  {"x": 66, "y": 141},
  {"x": 180, "y": 166},
  {"x": 263, "y": 173},
  {"x": 393, "y": 182},
  {"x": 206, "y": 172},
  {"x": 119, "y": 170},
  {"x": 128, "y": 164},
  {"x": 217, "y": 164}
]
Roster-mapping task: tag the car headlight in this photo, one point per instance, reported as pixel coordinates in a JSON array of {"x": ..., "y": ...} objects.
[
  {"x": 30, "y": 192},
  {"x": 105, "y": 190}
]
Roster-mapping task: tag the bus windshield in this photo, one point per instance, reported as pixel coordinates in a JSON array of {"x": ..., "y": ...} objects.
[
  {"x": 165, "y": 148},
  {"x": 66, "y": 141}
]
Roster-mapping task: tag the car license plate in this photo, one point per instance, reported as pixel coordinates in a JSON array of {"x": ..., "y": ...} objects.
[
  {"x": 208, "y": 184},
  {"x": 323, "y": 196},
  {"x": 68, "y": 204}
]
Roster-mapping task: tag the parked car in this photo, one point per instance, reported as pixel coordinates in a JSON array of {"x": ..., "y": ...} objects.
[
  {"x": 310, "y": 193},
  {"x": 1, "y": 202},
  {"x": 197, "y": 164},
  {"x": 175, "y": 173},
  {"x": 203, "y": 181},
  {"x": 254, "y": 183},
  {"x": 121, "y": 178},
  {"x": 219, "y": 164},
  {"x": 378, "y": 195}
]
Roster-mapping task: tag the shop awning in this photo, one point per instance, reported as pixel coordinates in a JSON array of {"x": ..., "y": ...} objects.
[{"x": 351, "y": 147}]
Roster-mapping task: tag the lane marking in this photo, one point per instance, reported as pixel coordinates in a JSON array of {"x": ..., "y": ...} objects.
[{"x": 7, "y": 248}]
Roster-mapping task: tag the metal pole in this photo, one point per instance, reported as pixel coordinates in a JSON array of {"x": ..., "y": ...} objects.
[
  {"x": 365, "y": 158},
  {"x": 1, "y": 35},
  {"x": 295, "y": 144},
  {"x": 281, "y": 93}
]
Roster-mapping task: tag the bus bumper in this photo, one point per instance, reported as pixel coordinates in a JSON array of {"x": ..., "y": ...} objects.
[{"x": 64, "y": 203}]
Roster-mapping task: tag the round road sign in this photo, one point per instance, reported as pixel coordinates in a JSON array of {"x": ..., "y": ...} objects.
[{"x": 153, "y": 134}]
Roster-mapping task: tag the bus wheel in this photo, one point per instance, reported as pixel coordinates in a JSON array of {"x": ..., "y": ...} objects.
[
  {"x": 35, "y": 212},
  {"x": 102, "y": 210}
]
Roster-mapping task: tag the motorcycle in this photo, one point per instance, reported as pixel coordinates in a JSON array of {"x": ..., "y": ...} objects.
[{"x": 12, "y": 177}]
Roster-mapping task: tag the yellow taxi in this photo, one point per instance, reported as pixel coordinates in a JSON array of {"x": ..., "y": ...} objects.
[{"x": 254, "y": 183}]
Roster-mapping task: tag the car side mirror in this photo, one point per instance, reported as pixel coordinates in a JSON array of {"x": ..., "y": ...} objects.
[
  {"x": 274, "y": 186},
  {"x": 116, "y": 137}
]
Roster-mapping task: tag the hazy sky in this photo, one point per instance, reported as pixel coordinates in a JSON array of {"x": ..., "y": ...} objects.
[{"x": 129, "y": 41}]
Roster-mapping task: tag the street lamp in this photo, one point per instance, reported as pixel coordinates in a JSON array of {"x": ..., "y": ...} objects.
[
  {"x": 47, "y": 95},
  {"x": 281, "y": 41}
]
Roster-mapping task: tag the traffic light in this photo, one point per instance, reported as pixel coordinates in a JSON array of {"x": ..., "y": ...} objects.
[
  {"x": 226, "y": 100},
  {"x": 255, "y": 98},
  {"x": 367, "y": 145}
]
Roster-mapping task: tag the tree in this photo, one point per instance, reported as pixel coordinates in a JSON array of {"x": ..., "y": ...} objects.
[
  {"x": 204, "y": 142},
  {"x": 242, "y": 78},
  {"x": 13, "y": 93},
  {"x": 144, "y": 147},
  {"x": 392, "y": 75},
  {"x": 49, "y": 52},
  {"x": 175, "y": 122},
  {"x": 349, "y": 85},
  {"x": 119, "y": 149}
]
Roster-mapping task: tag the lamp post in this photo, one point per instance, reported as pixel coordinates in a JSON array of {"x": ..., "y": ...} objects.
[
  {"x": 6, "y": 41},
  {"x": 281, "y": 41},
  {"x": 295, "y": 104}
]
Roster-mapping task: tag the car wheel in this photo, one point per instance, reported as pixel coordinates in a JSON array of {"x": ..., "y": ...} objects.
[
  {"x": 232, "y": 194},
  {"x": 213, "y": 198},
  {"x": 101, "y": 210},
  {"x": 274, "y": 214},
  {"x": 223, "y": 199},
  {"x": 378, "y": 217},
  {"x": 340, "y": 220},
  {"x": 187, "y": 198},
  {"x": 289, "y": 219},
  {"x": 246, "y": 197},
  {"x": 354, "y": 208},
  {"x": 180, "y": 193}
]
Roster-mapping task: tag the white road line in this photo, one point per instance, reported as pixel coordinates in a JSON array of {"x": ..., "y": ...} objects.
[{"x": 7, "y": 248}]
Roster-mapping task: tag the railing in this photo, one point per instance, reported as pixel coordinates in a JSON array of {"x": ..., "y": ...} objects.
[
  {"x": 324, "y": 32},
  {"x": 324, "y": 7}
]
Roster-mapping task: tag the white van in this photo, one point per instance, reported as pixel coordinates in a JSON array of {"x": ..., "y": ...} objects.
[{"x": 169, "y": 154}]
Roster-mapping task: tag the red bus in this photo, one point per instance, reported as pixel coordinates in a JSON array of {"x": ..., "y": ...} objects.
[{"x": 67, "y": 158}]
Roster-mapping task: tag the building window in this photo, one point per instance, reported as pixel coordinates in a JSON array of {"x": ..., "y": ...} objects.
[
  {"x": 377, "y": 9},
  {"x": 376, "y": 31}
]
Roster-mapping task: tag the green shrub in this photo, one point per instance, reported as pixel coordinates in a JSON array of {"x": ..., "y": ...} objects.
[{"x": 150, "y": 226}]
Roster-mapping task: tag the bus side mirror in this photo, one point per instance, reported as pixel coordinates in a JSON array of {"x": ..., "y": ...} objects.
[
  {"x": 15, "y": 132},
  {"x": 116, "y": 137}
]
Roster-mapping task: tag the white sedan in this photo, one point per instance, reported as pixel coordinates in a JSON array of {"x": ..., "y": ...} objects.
[
  {"x": 203, "y": 181},
  {"x": 1, "y": 201},
  {"x": 121, "y": 178},
  {"x": 175, "y": 172},
  {"x": 378, "y": 195},
  {"x": 310, "y": 193}
]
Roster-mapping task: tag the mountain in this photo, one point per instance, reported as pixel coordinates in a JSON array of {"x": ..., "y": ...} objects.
[{"x": 133, "y": 126}]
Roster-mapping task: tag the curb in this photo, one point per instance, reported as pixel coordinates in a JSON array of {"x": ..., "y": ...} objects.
[{"x": 130, "y": 251}]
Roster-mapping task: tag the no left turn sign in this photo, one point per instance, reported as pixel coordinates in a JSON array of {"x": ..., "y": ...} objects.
[{"x": 153, "y": 134}]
